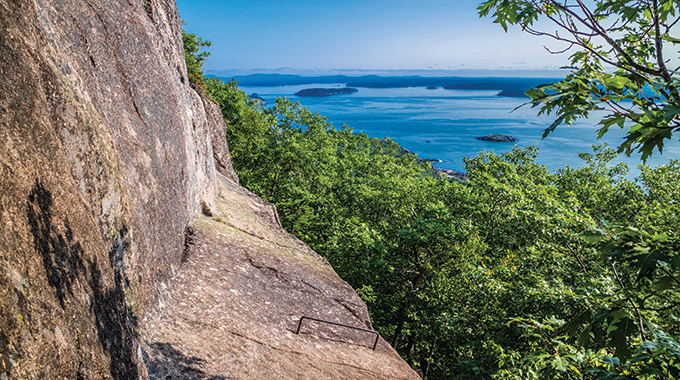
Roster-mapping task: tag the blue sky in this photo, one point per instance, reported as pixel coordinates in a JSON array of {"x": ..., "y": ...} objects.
[{"x": 335, "y": 36}]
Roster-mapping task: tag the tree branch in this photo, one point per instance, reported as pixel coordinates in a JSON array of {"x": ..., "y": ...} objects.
[
  {"x": 658, "y": 42},
  {"x": 595, "y": 26},
  {"x": 637, "y": 311}
]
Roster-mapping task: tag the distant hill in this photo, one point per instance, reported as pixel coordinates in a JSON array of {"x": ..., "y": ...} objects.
[
  {"x": 270, "y": 80},
  {"x": 513, "y": 87}
]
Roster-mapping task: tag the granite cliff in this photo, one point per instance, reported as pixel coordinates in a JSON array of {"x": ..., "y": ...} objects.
[{"x": 127, "y": 248}]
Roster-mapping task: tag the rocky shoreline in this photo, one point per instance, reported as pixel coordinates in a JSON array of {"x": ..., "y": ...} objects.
[
  {"x": 447, "y": 172},
  {"x": 453, "y": 174}
]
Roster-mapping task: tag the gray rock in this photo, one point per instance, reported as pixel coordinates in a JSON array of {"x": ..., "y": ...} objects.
[
  {"x": 453, "y": 174},
  {"x": 497, "y": 138},
  {"x": 106, "y": 157}
]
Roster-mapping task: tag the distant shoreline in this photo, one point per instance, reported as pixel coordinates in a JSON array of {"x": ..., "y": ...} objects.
[{"x": 506, "y": 86}]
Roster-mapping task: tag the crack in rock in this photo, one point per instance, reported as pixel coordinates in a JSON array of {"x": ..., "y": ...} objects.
[{"x": 270, "y": 271}]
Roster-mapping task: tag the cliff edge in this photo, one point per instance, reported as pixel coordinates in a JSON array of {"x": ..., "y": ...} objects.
[
  {"x": 110, "y": 167},
  {"x": 233, "y": 308}
]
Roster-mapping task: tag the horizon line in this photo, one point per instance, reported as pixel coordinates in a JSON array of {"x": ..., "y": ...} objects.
[{"x": 545, "y": 72}]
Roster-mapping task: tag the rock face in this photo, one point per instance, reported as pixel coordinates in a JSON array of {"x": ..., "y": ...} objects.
[
  {"x": 233, "y": 308},
  {"x": 497, "y": 138},
  {"x": 107, "y": 156},
  {"x": 219, "y": 140}
]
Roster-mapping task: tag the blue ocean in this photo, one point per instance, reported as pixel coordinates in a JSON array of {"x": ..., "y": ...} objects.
[{"x": 442, "y": 124}]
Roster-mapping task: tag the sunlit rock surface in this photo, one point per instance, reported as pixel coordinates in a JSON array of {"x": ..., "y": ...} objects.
[
  {"x": 107, "y": 270},
  {"x": 234, "y": 305}
]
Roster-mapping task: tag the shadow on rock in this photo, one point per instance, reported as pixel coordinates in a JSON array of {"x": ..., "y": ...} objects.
[
  {"x": 66, "y": 262},
  {"x": 61, "y": 256},
  {"x": 170, "y": 364}
]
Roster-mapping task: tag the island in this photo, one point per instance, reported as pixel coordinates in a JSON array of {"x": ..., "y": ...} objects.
[
  {"x": 497, "y": 138},
  {"x": 320, "y": 92},
  {"x": 260, "y": 102}
]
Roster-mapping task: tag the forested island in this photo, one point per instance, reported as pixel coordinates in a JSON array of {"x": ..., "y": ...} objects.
[{"x": 321, "y": 92}]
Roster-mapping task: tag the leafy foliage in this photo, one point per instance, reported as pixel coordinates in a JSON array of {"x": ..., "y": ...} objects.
[
  {"x": 194, "y": 59},
  {"x": 444, "y": 266},
  {"x": 641, "y": 94},
  {"x": 248, "y": 128}
]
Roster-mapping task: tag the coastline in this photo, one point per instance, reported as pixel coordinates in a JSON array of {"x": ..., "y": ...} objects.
[{"x": 451, "y": 174}]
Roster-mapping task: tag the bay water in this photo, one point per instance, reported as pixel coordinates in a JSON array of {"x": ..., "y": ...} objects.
[{"x": 442, "y": 124}]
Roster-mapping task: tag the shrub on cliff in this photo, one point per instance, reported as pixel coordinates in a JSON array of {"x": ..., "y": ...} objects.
[
  {"x": 248, "y": 127},
  {"x": 194, "y": 59}
]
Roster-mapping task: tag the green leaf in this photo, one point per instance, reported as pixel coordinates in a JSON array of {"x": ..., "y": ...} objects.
[
  {"x": 575, "y": 324},
  {"x": 584, "y": 339},
  {"x": 607, "y": 122},
  {"x": 552, "y": 127},
  {"x": 618, "y": 332},
  {"x": 617, "y": 82},
  {"x": 675, "y": 263},
  {"x": 670, "y": 112},
  {"x": 560, "y": 364},
  {"x": 535, "y": 94},
  {"x": 665, "y": 283},
  {"x": 647, "y": 262},
  {"x": 670, "y": 39},
  {"x": 614, "y": 362}
]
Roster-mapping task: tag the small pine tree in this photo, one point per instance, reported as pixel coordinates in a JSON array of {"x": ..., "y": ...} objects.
[{"x": 194, "y": 59}]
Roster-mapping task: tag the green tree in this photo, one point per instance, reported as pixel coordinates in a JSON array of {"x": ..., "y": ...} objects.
[
  {"x": 619, "y": 66},
  {"x": 248, "y": 126},
  {"x": 630, "y": 37},
  {"x": 623, "y": 333},
  {"x": 194, "y": 59}
]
